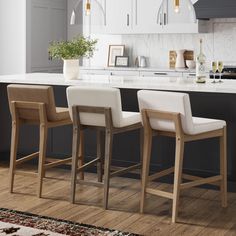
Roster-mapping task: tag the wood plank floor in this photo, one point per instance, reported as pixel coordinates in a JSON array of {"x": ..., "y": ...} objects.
[{"x": 200, "y": 211}]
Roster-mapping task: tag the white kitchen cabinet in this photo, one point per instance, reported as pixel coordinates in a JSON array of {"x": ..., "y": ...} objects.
[
  {"x": 119, "y": 16},
  {"x": 145, "y": 16},
  {"x": 182, "y": 22},
  {"x": 46, "y": 22},
  {"x": 150, "y": 17}
]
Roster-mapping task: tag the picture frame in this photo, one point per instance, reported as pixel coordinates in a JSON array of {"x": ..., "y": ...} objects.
[
  {"x": 122, "y": 61},
  {"x": 114, "y": 50}
]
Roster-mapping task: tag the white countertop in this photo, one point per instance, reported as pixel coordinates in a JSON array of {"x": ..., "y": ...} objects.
[{"x": 128, "y": 82}]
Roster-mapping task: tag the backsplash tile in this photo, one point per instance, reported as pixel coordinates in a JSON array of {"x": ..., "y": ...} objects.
[{"x": 218, "y": 44}]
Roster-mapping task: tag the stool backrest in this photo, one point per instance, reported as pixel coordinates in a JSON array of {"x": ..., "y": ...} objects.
[
  {"x": 167, "y": 102},
  {"x": 33, "y": 94},
  {"x": 95, "y": 97}
]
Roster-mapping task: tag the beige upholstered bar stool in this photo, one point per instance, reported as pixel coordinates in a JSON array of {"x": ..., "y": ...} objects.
[
  {"x": 169, "y": 114},
  {"x": 34, "y": 105},
  {"x": 99, "y": 108}
]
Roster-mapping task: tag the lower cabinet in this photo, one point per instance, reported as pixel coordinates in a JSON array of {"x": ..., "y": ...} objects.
[{"x": 142, "y": 73}]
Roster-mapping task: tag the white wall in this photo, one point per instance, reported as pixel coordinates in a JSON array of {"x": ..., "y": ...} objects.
[{"x": 12, "y": 36}]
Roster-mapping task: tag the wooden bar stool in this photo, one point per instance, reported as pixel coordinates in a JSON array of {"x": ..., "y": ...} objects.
[
  {"x": 100, "y": 109},
  {"x": 34, "y": 105},
  {"x": 169, "y": 114}
]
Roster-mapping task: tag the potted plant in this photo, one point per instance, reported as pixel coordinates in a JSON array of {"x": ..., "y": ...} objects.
[{"x": 70, "y": 52}]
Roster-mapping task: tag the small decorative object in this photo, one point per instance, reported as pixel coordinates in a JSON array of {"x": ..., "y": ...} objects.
[
  {"x": 122, "y": 61},
  {"x": 180, "y": 63},
  {"x": 191, "y": 64},
  {"x": 71, "y": 52},
  {"x": 114, "y": 51}
]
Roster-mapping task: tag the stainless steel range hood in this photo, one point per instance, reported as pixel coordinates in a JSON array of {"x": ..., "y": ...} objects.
[{"x": 207, "y": 9}]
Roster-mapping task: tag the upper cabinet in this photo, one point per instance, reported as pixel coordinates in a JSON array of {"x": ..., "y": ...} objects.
[
  {"x": 119, "y": 16},
  {"x": 147, "y": 17},
  {"x": 182, "y": 21}
]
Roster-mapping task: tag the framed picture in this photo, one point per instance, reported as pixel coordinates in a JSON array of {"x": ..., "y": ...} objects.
[
  {"x": 122, "y": 61},
  {"x": 114, "y": 51}
]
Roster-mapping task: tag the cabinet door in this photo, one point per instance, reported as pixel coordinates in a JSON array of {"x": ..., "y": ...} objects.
[
  {"x": 146, "y": 16},
  {"x": 118, "y": 16},
  {"x": 58, "y": 25},
  {"x": 40, "y": 33},
  {"x": 47, "y": 24},
  {"x": 183, "y": 21}
]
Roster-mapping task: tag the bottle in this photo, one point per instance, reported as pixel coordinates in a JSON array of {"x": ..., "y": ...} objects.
[{"x": 201, "y": 66}]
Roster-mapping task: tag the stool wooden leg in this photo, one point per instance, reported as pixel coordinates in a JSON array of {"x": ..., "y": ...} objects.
[
  {"x": 42, "y": 156},
  {"x": 14, "y": 145},
  {"x": 81, "y": 154},
  {"x": 99, "y": 155},
  {"x": 75, "y": 151},
  {"x": 147, "y": 147},
  {"x": 141, "y": 138},
  {"x": 179, "y": 153},
  {"x": 107, "y": 164},
  {"x": 223, "y": 168}
]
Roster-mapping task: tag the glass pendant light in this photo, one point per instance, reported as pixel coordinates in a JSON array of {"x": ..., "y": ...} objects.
[
  {"x": 87, "y": 8},
  {"x": 176, "y": 5}
]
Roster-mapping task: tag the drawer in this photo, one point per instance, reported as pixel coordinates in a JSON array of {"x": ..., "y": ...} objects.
[
  {"x": 94, "y": 72},
  {"x": 123, "y": 73},
  {"x": 161, "y": 73}
]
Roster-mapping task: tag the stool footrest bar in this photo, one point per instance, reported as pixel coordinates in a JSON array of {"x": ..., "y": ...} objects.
[
  {"x": 159, "y": 193},
  {"x": 27, "y": 158}
]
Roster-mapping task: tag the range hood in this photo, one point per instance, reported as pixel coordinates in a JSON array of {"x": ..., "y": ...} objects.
[{"x": 207, "y": 9}]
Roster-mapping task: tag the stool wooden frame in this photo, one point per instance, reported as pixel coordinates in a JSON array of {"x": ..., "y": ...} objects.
[
  {"x": 181, "y": 139},
  {"x": 44, "y": 163},
  {"x": 110, "y": 131}
]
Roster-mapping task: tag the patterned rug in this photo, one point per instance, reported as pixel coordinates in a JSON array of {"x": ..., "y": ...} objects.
[{"x": 16, "y": 223}]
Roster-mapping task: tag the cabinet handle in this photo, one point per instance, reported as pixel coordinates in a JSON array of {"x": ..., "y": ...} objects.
[
  {"x": 160, "y": 73},
  {"x": 127, "y": 19},
  {"x": 192, "y": 74},
  {"x": 165, "y": 19},
  {"x": 136, "y": 10}
]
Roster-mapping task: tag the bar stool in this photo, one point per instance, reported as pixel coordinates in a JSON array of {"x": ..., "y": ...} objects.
[
  {"x": 169, "y": 114},
  {"x": 34, "y": 105},
  {"x": 99, "y": 108}
]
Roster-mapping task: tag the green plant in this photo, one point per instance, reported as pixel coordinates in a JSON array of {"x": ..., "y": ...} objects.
[{"x": 74, "y": 49}]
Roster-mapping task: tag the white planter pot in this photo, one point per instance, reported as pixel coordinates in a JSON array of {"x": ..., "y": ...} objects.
[{"x": 71, "y": 69}]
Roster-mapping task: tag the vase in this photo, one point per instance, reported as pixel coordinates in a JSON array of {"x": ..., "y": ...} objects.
[
  {"x": 71, "y": 69},
  {"x": 180, "y": 63}
]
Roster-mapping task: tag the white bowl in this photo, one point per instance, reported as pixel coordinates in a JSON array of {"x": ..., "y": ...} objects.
[{"x": 191, "y": 64}]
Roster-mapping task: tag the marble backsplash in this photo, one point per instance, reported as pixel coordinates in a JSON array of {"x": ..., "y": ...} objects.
[{"x": 218, "y": 44}]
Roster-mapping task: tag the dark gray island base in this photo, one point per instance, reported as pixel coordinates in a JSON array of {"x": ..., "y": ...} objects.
[{"x": 201, "y": 157}]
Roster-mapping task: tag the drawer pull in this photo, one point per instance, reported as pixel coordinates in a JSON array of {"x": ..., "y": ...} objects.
[{"x": 160, "y": 73}]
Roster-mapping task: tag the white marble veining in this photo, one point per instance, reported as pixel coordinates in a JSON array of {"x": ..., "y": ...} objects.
[{"x": 129, "y": 82}]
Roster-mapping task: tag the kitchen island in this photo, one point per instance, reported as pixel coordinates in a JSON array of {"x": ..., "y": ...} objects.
[{"x": 208, "y": 100}]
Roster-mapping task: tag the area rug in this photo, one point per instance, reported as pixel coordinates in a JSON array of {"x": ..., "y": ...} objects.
[{"x": 16, "y": 223}]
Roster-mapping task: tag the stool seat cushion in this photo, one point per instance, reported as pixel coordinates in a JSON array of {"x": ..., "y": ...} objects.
[
  {"x": 175, "y": 103},
  {"x": 130, "y": 118},
  {"x": 62, "y": 113},
  {"x": 100, "y": 97},
  {"x": 202, "y": 125}
]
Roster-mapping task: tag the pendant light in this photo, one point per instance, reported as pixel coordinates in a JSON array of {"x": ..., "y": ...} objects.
[
  {"x": 87, "y": 7},
  {"x": 176, "y": 5},
  {"x": 87, "y": 10}
]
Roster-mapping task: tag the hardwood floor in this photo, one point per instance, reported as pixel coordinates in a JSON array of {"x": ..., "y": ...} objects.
[{"x": 200, "y": 210}]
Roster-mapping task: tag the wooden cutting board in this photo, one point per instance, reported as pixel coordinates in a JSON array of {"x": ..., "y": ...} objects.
[{"x": 188, "y": 55}]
